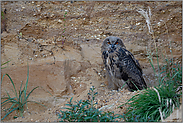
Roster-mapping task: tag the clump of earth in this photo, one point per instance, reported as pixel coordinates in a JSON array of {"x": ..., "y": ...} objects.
[{"x": 60, "y": 42}]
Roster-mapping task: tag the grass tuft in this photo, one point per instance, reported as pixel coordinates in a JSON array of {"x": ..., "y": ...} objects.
[
  {"x": 19, "y": 102},
  {"x": 149, "y": 105}
]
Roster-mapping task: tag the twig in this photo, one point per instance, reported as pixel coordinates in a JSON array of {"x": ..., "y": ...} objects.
[{"x": 147, "y": 17}]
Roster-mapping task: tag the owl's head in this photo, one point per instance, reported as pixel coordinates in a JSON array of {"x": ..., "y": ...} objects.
[{"x": 111, "y": 43}]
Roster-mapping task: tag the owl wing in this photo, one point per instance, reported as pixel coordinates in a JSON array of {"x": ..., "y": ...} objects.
[
  {"x": 132, "y": 70},
  {"x": 104, "y": 57},
  {"x": 134, "y": 60}
]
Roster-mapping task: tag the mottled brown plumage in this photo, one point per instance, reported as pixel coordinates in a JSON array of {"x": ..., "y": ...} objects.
[{"x": 121, "y": 65}]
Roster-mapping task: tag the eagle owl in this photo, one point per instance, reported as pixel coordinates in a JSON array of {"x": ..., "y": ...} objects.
[{"x": 121, "y": 66}]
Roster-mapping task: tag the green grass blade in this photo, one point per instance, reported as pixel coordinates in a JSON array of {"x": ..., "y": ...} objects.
[
  {"x": 175, "y": 74},
  {"x": 3, "y": 67},
  {"x": 38, "y": 103},
  {"x": 7, "y": 93},
  {"x": 12, "y": 106},
  {"x": 20, "y": 96},
  {"x": 9, "y": 112},
  {"x": 6, "y": 97},
  {"x": 45, "y": 90},
  {"x": 2, "y": 78},
  {"x": 5, "y": 63},
  {"x": 123, "y": 86},
  {"x": 26, "y": 81},
  {"x": 135, "y": 85},
  {"x": 13, "y": 85},
  {"x": 13, "y": 91},
  {"x": 31, "y": 92},
  {"x": 20, "y": 87},
  {"x": 9, "y": 96},
  {"x": 163, "y": 79},
  {"x": 11, "y": 100},
  {"x": 20, "y": 92}
]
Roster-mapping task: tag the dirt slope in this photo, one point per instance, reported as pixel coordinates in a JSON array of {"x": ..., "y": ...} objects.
[{"x": 61, "y": 43}]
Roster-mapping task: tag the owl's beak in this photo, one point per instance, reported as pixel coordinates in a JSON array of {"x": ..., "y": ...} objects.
[{"x": 112, "y": 46}]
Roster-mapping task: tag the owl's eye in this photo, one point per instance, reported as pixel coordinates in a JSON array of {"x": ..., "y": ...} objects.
[
  {"x": 116, "y": 43},
  {"x": 108, "y": 42}
]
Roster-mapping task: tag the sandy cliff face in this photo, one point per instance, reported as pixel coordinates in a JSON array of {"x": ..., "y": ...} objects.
[{"x": 61, "y": 43}]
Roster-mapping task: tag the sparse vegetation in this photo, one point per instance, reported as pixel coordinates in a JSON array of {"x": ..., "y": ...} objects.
[
  {"x": 19, "y": 102},
  {"x": 157, "y": 103},
  {"x": 4, "y": 64},
  {"x": 2, "y": 14},
  {"x": 85, "y": 111},
  {"x": 64, "y": 29}
]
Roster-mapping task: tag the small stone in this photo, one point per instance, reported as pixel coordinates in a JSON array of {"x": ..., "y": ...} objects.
[
  {"x": 127, "y": 27},
  {"x": 52, "y": 15},
  {"x": 137, "y": 23},
  {"x": 44, "y": 56},
  {"x": 60, "y": 21},
  {"x": 73, "y": 77},
  {"x": 102, "y": 85}
]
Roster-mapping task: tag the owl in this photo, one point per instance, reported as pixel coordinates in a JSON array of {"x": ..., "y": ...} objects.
[{"x": 121, "y": 66}]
